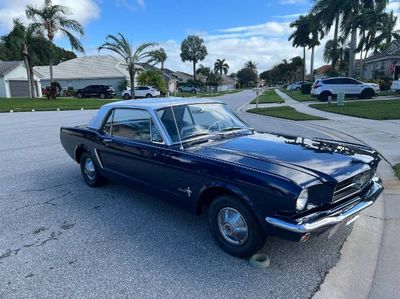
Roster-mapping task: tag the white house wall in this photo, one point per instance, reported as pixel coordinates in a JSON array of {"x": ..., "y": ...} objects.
[
  {"x": 19, "y": 73},
  {"x": 3, "y": 91}
]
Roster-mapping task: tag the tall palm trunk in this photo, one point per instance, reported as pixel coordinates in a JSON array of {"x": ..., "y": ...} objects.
[
  {"x": 132, "y": 74},
  {"x": 353, "y": 46},
  {"x": 26, "y": 62},
  {"x": 335, "y": 41},
  {"x": 34, "y": 87},
  {"x": 304, "y": 66},
  {"x": 194, "y": 70},
  {"x": 312, "y": 63}
]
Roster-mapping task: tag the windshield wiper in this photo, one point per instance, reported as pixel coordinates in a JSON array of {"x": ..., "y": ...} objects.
[
  {"x": 195, "y": 136},
  {"x": 231, "y": 129}
]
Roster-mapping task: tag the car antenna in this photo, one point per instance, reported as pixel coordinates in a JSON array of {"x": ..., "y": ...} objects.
[{"x": 176, "y": 126}]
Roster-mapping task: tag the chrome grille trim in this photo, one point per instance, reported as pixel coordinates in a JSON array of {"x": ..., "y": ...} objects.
[{"x": 351, "y": 189}]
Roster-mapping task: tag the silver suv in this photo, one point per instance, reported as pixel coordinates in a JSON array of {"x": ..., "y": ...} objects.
[
  {"x": 324, "y": 88},
  {"x": 188, "y": 88}
]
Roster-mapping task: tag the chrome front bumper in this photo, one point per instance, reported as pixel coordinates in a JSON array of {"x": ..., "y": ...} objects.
[{"x": 309, "y": 227}]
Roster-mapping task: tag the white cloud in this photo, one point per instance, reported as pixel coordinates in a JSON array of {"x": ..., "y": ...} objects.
[
  {"x": 267, "y": 44},
  {"x": 83, "y": 11},
  {"x": 132, "y": 5}
]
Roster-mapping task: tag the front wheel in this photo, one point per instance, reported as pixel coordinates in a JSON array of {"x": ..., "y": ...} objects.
[
  {"x": 102, "y": 96},
  {"x": 126, "y": 96},
  {"x": 367, "y": 94},
  {"x": 89, "y": 172},
  {"x": 149, "y": 95},
  {"x": 79, "y": 95},
  {"x": 234, "y": 227}
]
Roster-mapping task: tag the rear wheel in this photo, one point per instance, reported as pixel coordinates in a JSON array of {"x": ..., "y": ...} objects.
[
  {"x": 234, "y": 227},
  {"x": 149, "y": 95},
  {"x": 89, "y": 171},
  {"x": 126, "y": 96},
  {"x": 179, "y": 89},
  {"x": 79, "y": 95},
  {"x": 102, "y": 96},
  {"x": 367, "y": 93},
  {"x": 324, "y": 96}
]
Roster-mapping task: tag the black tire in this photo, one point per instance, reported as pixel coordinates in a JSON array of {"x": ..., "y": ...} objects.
[
  {"x": 367, "y": 93},
  {"x": 179, "y": 89},
  {"x": 102, "y": 96},
  {"x": 79, "y": 95},
  {"x": 127, "y": 97},
  {"x": 194, "y": 91},
  {"x": 323, "y": 97},
  {"x": 255, "y": 236},
  {"x": 149, "y": 95},
  {"x": 92, "y": 181}
]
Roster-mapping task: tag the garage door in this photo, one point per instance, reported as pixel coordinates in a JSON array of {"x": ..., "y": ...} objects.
[{"x": 19, "y": 88}]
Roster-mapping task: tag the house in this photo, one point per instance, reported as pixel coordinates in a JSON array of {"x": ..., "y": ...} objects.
[
  {"x": 384, "y": 64},
  {"x": 14, "y": 80},
  {"x": 228, "y": 83},
  {"x": 322, "y": 71},
  {"x": 86, "y": 70}
]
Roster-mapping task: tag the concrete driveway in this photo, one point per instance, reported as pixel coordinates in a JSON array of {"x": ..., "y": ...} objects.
[{"x": 60, "y": 238}]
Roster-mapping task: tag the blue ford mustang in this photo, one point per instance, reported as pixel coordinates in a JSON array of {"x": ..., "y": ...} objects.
[{"x": 200, "y": 155}]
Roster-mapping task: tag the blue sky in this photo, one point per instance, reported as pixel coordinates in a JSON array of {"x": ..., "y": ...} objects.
[{"x": 235, "y": 30}]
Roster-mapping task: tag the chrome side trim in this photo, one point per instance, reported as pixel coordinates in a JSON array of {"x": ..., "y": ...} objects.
[{"x": 98, "y": 158}]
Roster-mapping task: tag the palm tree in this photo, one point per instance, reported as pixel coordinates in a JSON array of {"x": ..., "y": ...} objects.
[
  {"x": 158, "y": 56},
  {"x": 20, "y": 39},
  {"x": 251, "y": 65},
  {"x": 387, "y": 29},
  {"x": 316, "y": 33},
  {"x": 51, "y": 19},
  {"x": 119, "y": 45},
  {"x": 221, "y": 67},
  {"x": 301, "y": 37},
  {"x": 203, "y": 70}
]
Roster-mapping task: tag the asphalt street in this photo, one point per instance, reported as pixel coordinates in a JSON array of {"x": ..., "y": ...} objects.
[{"x": 60, "y": 238}]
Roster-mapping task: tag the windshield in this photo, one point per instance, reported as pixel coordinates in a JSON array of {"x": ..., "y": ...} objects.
[{"x": 196, "y": 120}]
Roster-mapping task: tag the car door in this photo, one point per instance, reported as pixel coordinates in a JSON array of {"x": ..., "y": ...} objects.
[
  {"x": 354, "y": 87},
  {"x": 128, "y": 137},
  {"x": 139, "y": 92}
]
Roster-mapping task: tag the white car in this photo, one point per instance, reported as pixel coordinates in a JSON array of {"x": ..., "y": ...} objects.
[
  {"x": 141, "y": 92},
  {"x": 294, "y": 86},
  {"x": 324, "y": 88},
  {"x": 395, "y": 86}
]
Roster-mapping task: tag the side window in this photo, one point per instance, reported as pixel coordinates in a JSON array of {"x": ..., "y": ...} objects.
[
  {"x": 107, "y": 125},
  {"x": 134, "y": 124}
]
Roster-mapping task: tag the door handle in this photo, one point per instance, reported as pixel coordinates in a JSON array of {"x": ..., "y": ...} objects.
[{"x": 107, "y": 141}]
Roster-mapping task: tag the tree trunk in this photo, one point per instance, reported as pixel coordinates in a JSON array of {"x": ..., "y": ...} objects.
[
  {"x": 34, "y": 87},
  {"x": 335, "y": 42},
  {"x": 194, "y": 70},
  {"x": 353, "y": 46},
  {"x": 312, "y": 63},
  {"x": 132, "y": 81},
  {"x": 26, "y": 62},
  {"x": 304, "y": 62}
]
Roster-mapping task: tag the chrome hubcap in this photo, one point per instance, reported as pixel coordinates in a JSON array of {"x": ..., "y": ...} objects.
[
  {"x": 89, "y": 169},
  {"x": 232, "y": 226}
]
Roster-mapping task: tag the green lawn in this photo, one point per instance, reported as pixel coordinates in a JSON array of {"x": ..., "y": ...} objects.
[
  {"x": 269, "y": 96},
  {"x": 43, "y": 104},
  {"x": 388, "y": 93},
  {"x": 284, "y": 112},
  {"x": 397, "y": 170},
  {"x": 298, "y": 96},
  {"x": 379, "y": 110}
]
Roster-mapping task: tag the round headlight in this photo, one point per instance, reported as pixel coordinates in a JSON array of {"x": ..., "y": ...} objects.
[{"x": 302, "y": 200}]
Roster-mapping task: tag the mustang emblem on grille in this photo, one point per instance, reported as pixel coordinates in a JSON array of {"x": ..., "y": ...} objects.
[{"x": 361, "y": 179}]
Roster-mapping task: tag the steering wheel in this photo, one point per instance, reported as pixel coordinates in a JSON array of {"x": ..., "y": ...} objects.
[{"x": 218, "y": 124}]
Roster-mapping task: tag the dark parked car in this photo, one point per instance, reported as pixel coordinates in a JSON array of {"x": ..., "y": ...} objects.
[
  {"x": 200, "y": 155},
  {"x": 99, "y": 91}
]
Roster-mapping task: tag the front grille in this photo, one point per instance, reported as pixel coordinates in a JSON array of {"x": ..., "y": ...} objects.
[{"x": 352, "y": 186}]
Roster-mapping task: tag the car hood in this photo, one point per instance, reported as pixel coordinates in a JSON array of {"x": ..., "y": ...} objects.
[{"x": 300, "y": 159}]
